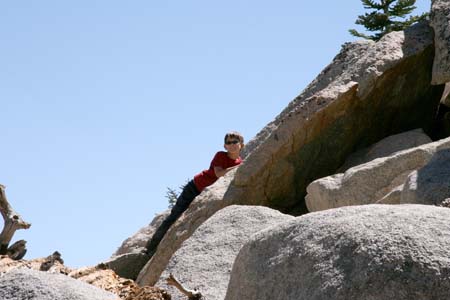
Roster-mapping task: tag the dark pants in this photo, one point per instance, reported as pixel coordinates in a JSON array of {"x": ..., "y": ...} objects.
[{"x": 186, "y": 197}]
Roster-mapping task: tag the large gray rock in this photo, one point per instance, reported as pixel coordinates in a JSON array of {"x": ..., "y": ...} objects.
[
  {"x": 370, "y": 91},
  {"x": 386, "y": 147},
  {"x": 128, "y": 265},
  {"x": 26, "y": 284},
  {"x": 378, "y": 181},
  {"x": 374, "y": 252},
  {"x": 440, "y": 21},
  {"x": 130, "y": 257},
  {"x": 206, "y": 258},
  {"x": 430, "y": 184}
]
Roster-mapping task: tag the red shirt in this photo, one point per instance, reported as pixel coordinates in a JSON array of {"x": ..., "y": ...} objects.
[{"x": 208, "y": 177}]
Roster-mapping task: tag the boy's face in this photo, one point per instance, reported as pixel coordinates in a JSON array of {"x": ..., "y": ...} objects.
[{"x": 233, "y": 145}]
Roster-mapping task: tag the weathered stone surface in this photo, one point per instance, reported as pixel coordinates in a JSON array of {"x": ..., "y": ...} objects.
[
  {"x": 29, "y": 284},
  {"x": 380, "y": 180},
  {"x": 128, "y": 260},
  {"x": 128, "y": 265},
  {"x": 361, "y": 252},
  {"x": 211, "y": 200},
  {"x": 206, "y": 258},
  {"x": 431, "y": 183},
  {"x": 386, "y": 147},
  {"x": 440, "y": 21},
  {"x": 136, "y": 243},
  {"x": 349, "y": 55},
  {"x": 370, "y": 91}
]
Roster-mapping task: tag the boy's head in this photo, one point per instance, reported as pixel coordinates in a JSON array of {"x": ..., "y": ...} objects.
[{"x": 233, "y": 137}]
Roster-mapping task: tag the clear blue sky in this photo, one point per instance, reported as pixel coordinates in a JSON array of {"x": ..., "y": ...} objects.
[{"x": 105, "y": 104}]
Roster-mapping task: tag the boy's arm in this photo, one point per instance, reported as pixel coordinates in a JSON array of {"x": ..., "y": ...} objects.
[{"x": 219, "y": 171}]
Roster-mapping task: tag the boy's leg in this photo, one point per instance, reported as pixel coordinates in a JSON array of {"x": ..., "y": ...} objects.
[{"x": 187, "y": 196}]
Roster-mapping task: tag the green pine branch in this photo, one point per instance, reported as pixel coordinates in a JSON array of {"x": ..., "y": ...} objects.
[
  {"x": 387, "y": 16},
  {"x": 373, "y": 21},
  {"x": 361, "y": 35},
  {"x": 402, "y": 8}
]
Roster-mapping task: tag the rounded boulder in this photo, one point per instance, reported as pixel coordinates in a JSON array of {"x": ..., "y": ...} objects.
[{"x": 358, "y": 252}]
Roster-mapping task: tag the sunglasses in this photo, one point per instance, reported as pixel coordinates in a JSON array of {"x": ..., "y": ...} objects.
[{"x": 234, "y": 142}]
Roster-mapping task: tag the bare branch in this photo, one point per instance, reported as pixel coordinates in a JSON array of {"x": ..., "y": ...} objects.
[
  {"x": 191, "y": 294},
  {"x": 13, "y": 222}
]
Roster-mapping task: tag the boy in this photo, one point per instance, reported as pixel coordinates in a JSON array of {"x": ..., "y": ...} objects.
[{"x": 222, "y": 163}]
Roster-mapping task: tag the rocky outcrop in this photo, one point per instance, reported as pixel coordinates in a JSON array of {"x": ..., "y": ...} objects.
[
  {"x": 128, "y": 260},
  {"x": 370, "y": 91},
  {"x": 29, "y": 284},
  {"x": 205, "y": 259},
  {"x": 361, "y": 252},
  {"x": 382, "y": 180},
  {"x": 386, "y": 147},
  {"x": 128, "y": 265},
  {"x": 440, "y": 21}
]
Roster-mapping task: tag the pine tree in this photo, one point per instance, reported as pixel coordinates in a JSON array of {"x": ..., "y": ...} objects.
[
  {"x": 172, "y": 195},
  {"x": 389, "y": 15}
]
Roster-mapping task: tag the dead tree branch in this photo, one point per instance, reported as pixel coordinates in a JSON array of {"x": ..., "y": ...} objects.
[
  {"x": 191, "y": 294},
  {"x": 13, "y": 222}
]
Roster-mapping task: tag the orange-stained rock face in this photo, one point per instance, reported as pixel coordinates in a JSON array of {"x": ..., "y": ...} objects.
[{"x": 367, "y": 93}]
